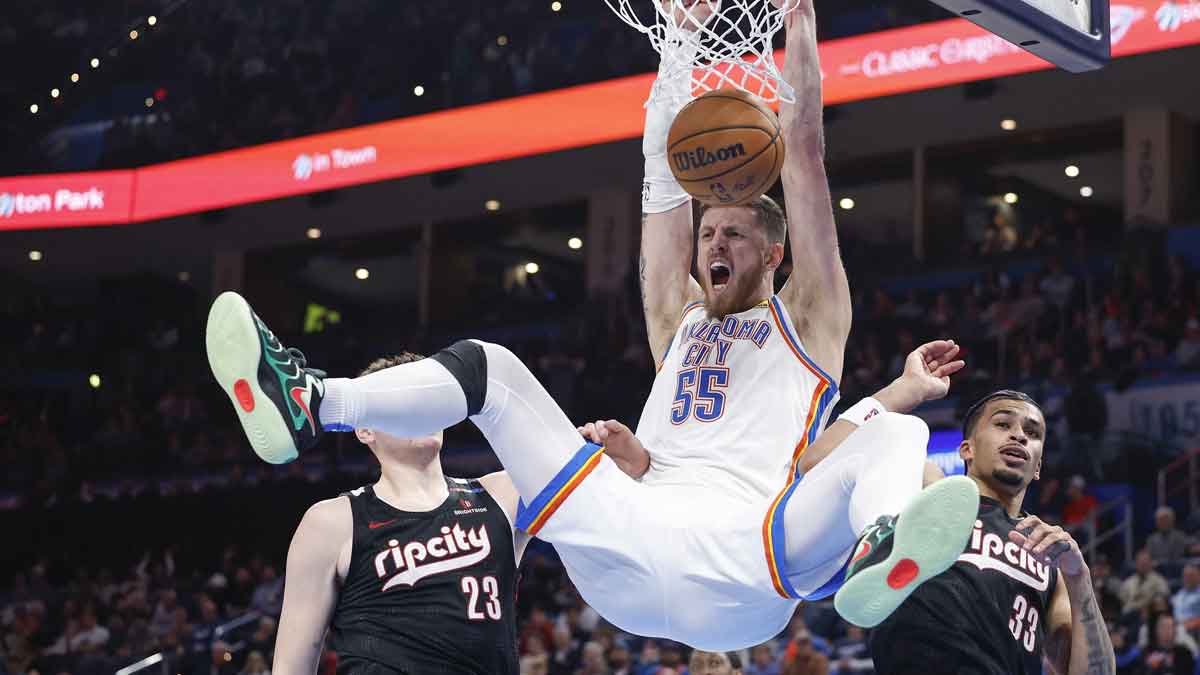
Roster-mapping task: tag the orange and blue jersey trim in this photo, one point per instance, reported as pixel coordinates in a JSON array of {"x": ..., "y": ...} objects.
[
  {"x": 531, "y": 518},
  {"x": 773, "y": 529}
]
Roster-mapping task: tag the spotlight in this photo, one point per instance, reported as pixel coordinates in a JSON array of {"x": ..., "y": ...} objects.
[
  {"x": 133, "y": 35},
  {"x": 1011, "y": 198},
  {"x": 1086, "y": 191},
  {"x": 531, "y": 268},
  {"x": 555, "y": 6},
  {"x": 35, "y": 255},
  {"x": 313, "y": 233},
  {"x": 1008, "y": 124},
  {"x": 418, "y": 90},
  {"x": 846, "y": 203},
  {"x": 1072, "y": 171},
  {"x": 149, "y": 101},
  {"x": 95, "y": 62},
  {"x": 492, "y": 205},
  {"x": 152, "y": 20},
  {"x": 94, "y": 381},
  {"x": 184, "y": 276},
  {"x": 361, "y": 273},
  {"x": 74, "y": 77},
  {"x": 54, "y": 93},
  {"x": 33, "y": 108},
  {"x": 502, "y": 40},
  {"x": 574, "y": 243}
]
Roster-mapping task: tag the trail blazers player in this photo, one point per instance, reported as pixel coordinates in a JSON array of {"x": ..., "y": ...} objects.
[
  {"x": 415, "y": 574},
  {"x": 1019, "y": 591}
]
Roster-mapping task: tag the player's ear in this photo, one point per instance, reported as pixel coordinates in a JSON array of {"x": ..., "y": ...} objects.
[
  {"x": 365, "y": 436},
  {"x": 1037, "y": 471},
  {"x": 965, "y": 451},
  {"x": 775, "y": 256}
]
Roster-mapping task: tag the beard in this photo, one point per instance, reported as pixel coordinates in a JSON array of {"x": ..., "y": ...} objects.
[
  {"x": 1009, "y": 477},
  {"x": 739, "y": 294}
]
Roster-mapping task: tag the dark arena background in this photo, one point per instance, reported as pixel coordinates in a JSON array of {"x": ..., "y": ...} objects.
[{"x": 384, "y": 176}]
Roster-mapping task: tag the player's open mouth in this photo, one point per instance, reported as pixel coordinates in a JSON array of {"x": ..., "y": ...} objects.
[{"x": 719, "y": 274}]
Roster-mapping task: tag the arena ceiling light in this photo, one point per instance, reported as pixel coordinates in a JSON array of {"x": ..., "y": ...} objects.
[
  {"x": 35, "y": 255},
  {"x": 95, "y": 62},
  {"x": 1011, "y": 198},
  {"x": 33, "y": 108},
  {"x": 94, "y": 380},
  {"x": 184, "y": 276},
  {"x": 362, "y": 273},
  {"x": 1086, "y": 191},
  {"x": 418, "y": 90},
  {"x": 74, "y": 77},
  {"x": 54, "y": 93},
  {"x": 492, "y": 205},
  {"x": 532, "y": 268},
  {"x": 1072, "y": 171},
  {"x": 555, "y": 6},
  {"x": 149, "y": 101},
  {"x": 574, "y": 243},
  {"x": 846, "y": 203},
  {"x": 133, "y": 35},
  {"x": 152, "y": 20},
  {"x": 313, "y": 233},
  {"x": 502, "y": 40},
  {"x": 1008, "y": 124}
]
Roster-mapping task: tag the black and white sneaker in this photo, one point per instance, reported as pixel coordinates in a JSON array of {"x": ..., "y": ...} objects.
[
  {"x": 897, "y": 554},
  {"x": 275, "y": 395}
]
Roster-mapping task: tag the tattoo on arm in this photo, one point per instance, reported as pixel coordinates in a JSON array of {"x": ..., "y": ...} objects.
[{"x": 1099, "y": 645}]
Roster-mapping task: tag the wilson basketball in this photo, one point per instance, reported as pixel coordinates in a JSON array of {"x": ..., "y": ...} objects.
[{"x": 725, "y": 148}]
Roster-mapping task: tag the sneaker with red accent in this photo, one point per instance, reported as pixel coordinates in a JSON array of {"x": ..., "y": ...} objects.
[
  {"x": 897, "y": 554},
  {"x": 274, "y": 393}
]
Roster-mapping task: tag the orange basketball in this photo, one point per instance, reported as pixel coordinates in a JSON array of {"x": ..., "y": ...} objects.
[{"x": 725, "y": 148}]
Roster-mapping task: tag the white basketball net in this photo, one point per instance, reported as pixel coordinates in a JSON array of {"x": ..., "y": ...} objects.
[{"x": 732, "y": 47}]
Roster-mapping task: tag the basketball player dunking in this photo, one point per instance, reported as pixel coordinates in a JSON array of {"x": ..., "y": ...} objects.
[
  {"x": 1021, "y": 588},
  {"x": 414, "y": 574},
  {"x": 721, "y": 538}
]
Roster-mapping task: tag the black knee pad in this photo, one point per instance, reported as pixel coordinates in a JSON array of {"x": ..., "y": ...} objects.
[{"x": 468, "y": 364}]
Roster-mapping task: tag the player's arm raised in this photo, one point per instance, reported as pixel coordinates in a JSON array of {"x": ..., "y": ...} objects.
[
  {"x": 1077, "y": 640},
  {"x": 817, "y": 294},
  {"x": 665, "y": 264},
  {"x": 311, "y": 584}
]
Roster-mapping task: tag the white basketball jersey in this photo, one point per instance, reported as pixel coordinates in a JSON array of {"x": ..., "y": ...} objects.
[{"x": 734, "y": 404}]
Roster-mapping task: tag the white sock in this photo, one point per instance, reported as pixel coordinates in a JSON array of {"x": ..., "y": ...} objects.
[{"x": 408, "y": 400}]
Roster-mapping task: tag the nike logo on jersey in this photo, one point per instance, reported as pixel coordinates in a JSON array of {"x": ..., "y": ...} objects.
[
  {"x": 992, "y": 552},
  {"x": 409, "y": 563},
  {"x": 377, "y": 525}
]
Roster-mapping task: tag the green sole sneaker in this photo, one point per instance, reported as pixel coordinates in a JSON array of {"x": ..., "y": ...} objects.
[{"x": 929, "y": 535}]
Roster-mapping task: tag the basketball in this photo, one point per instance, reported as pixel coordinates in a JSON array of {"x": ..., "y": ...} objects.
[{"x": 725, "y": 148}]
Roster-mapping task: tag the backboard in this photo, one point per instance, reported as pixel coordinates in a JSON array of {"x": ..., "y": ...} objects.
[{"x": 1071, "y": 34}]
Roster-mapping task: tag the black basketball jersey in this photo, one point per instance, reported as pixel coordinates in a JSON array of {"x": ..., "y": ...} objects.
[
  {"x": 430, "y": 592},
  {"x": 983, "y": 616}
]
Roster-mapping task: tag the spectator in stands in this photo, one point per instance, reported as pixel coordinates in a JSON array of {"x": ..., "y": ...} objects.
[
  {"x": 805, "y": 660},
  {"x": 1140, "y": 589},
  {"x": 1080, "y": 505},
  {"x": 534, "y": 658},
  {"x": 850, "y": 654},
  {"x": 268, "y": 595},
  {"x": 1165, "y": 655},
  {"x": 1186, "y": 601},
  {"x": 714, "y": 663},
  {"x": 763, "y": 661},
  {"x": 1167, "y": 544},
  {"x": 592, "y": 661},
  {"x": 1187, "y": 352},
  {"x": 263, "y": 638},
  {"x": 163, "y": 619},
  {"x": 256, "y": 664},
  {"x": 1107, "y": 587}
]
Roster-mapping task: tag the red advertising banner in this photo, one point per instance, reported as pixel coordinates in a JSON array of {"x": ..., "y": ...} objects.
[
  {"x": 66, "y": 200},
  {"x": 879, "y": 64}
]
